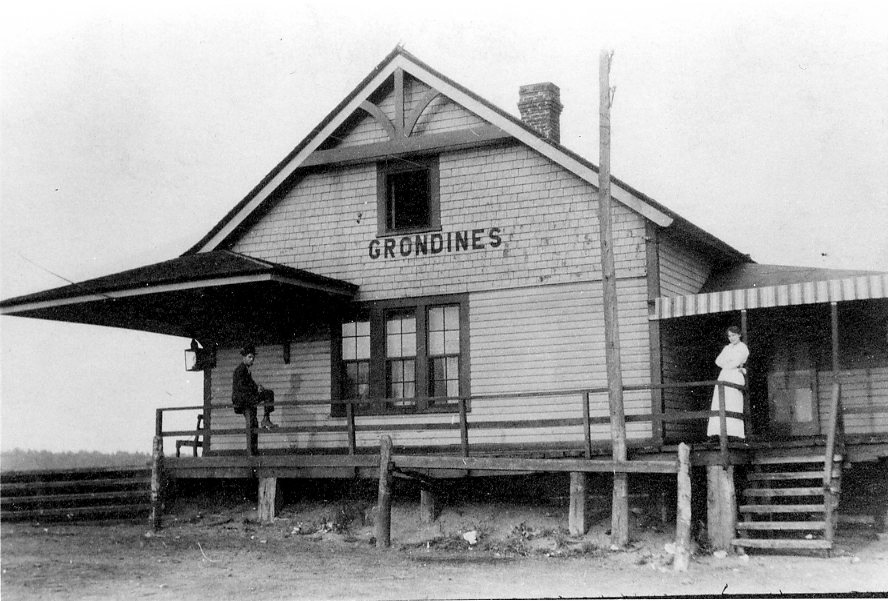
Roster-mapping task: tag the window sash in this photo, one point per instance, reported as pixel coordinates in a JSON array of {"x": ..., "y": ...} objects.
[{"x": 401, "y": 365}]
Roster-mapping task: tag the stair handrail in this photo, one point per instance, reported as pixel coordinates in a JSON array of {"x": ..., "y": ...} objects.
[{"x": 833, "y": 434}]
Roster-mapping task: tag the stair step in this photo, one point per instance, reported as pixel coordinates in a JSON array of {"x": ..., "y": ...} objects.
[
  {"x": 781, "y": 543},
  {"x": 777, "y": 459},
  {"x": 77, "y": 512},
  {"x": 783, "y": 492},
  {"x": 789, "y": 475},
  {"x": 813, "y": 525},
  {"x": 782, "y": 508}
]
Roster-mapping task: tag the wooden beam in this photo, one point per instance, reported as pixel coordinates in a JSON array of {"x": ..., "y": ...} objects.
[
  {"x": 652, "y": 253},
  {"x": 721, "y": 507},
  {"x": 534, "y": 465},
  {"x": 428, "y": 510},
  {"x": 576, "y": 520},
  {"x": 157, "y": 479},
  {"x": 269, "y": 499},
  {"x": 416, "y": 112},
  {"x": 683, "y": 513},
  {"x": 440, "y": 142},
  {"x": 399, "y": 102},
  {"x": 384, "y": 503},
  {"x": 380, "y": 117}
]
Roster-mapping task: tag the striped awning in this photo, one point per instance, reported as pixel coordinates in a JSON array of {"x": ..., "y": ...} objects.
[{"x": 784, "y": 295}]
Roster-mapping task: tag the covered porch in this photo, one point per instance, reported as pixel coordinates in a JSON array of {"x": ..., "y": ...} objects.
[{"x": 804, "y": 337}]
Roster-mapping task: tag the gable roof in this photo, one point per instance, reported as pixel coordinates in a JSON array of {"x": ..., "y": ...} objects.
[{"x": 399, "y": 58}]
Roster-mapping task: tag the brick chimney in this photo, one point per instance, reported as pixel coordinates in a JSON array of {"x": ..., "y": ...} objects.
[{"x": 540, "y": 106}]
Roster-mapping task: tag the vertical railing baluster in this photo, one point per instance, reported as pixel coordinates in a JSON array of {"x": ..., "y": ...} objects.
[
  {"x": 587, "y": 433},
  {"x": 463, "y": 427}
]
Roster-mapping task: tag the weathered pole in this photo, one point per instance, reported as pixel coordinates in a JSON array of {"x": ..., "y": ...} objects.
[
  {"x": 384, "y": 503},
  {"x": 683, "y": 513},
  {"x": 157, "y": 477},
  {"x": 620, "y": 505}
]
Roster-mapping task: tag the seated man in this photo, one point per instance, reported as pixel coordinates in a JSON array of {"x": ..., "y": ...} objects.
[{"x": 246, "y": 395}]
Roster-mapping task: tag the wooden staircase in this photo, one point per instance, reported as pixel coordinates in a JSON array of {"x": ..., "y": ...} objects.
[
  {"x": 76, "y": 494},
  {"x": 787, "y": 504}
]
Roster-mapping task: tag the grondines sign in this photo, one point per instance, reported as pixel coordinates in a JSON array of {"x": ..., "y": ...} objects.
[{"x": 416, "y": 245}]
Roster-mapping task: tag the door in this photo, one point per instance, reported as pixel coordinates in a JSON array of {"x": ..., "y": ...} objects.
[{"x": 792, "y": 402}]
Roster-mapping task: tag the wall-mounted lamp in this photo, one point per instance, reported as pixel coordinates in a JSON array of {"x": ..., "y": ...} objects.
[{"x": 199, "y": 358}]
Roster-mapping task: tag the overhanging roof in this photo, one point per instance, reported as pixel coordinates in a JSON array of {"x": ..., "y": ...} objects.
[
  {"x": 202, "y": 295},
  {"x": 753, "y": 286}
]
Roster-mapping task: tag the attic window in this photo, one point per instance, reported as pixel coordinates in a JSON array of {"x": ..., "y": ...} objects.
[{"x": 407, "y": 195}]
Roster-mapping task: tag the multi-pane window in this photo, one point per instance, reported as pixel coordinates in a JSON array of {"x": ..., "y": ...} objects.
[
  {"x": 443, "y": 351},
  {"x": 400, "y": 353},
  {"x": 355, "y": 359},
  {"x": 404, "y": 356}
]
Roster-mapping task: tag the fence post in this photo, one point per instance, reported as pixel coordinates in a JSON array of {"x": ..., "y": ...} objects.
[
  {"x": 156, "y": 481},
  {"x": 384, "y": 515},
  {"x": 683, "y": 512}
]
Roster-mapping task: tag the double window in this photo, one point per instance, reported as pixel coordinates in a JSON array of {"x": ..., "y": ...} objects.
[
  {"x": 403, "y": 356},
  {"x": 407, "y": 195}
]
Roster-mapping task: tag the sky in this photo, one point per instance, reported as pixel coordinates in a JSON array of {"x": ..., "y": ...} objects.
[{"x": 127, "y": 132}]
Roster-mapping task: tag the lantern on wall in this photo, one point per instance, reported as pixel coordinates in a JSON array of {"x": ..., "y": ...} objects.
[{"x": 198, "y": 358}]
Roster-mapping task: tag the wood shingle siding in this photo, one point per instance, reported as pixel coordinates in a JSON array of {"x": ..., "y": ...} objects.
[
  {"x": 325, "y": 223},
  {"x": 683, "y": 270}
]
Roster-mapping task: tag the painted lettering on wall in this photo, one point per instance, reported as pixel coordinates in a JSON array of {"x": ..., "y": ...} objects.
[{"x": 416, "y": 245}]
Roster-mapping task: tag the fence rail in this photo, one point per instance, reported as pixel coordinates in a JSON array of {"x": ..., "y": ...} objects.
[{"x": 460, "y": 405}]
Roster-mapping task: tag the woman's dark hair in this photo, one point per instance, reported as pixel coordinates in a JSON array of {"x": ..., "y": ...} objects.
[{"x": 734, "y": 330}]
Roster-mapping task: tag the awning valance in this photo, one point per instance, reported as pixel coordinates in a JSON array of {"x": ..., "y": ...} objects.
[
  {"x": 213, "y": 295},
  {"x": 871, "y": 286}
]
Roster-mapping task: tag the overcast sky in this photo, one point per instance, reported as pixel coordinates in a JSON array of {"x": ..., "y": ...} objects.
[{"x": 128, "y": 133}]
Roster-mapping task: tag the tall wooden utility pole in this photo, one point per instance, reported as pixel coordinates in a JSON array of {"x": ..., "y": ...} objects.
[{"x": 620, "y": 505}]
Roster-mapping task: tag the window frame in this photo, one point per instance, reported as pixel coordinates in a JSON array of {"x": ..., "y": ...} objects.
[
  {"x": 406, "y": 165},
  {"x": 378, "y": 311}
]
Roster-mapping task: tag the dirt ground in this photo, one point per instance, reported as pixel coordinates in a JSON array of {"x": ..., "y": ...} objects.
[{"x": 323, "y": 549}]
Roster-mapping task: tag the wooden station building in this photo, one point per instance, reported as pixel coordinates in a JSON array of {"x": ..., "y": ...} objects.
[{"x": 426, "y": 266}]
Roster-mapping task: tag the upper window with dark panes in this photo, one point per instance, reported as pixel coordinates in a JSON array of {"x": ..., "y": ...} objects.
[{"x": 408, "y": 195}]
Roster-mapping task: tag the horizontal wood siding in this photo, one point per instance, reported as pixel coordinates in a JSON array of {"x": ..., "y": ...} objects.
[
  {"x": 683, "y": 270},
  {"x": 306, "y": 377},
  {"x": 864, "y": 399},
  {"x": 552, "y": 338}
]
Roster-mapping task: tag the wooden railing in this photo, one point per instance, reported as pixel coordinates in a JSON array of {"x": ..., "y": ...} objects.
[{"x": 460, "y": 405}]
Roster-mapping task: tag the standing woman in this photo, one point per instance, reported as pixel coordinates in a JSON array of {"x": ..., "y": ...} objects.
[{"x": 731, "y": 361}]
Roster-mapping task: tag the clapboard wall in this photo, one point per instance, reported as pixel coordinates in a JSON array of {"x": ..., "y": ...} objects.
[
  {"x": 864, "y": 399},
  {"x": 545, "y": 339}
]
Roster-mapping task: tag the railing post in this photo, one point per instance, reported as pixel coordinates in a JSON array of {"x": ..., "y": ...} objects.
[
  {"x": 158, "y": 423},
  {"x": 587, "y": 434},
  {"x": 350, "y": 417},
  {"x": 723, "y": 425},
  {"x": 463, "y": 427}
]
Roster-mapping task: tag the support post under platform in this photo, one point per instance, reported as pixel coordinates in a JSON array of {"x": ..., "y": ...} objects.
[
  {"x": 576, "y": 520},
  {"x": 721, "y": 507}
]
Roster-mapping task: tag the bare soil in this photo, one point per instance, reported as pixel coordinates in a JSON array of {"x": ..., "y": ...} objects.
[{"x": 321, "y": 549}]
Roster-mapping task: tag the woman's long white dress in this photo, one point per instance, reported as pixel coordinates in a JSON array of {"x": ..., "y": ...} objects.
[{"x": 731, "y": 359}]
